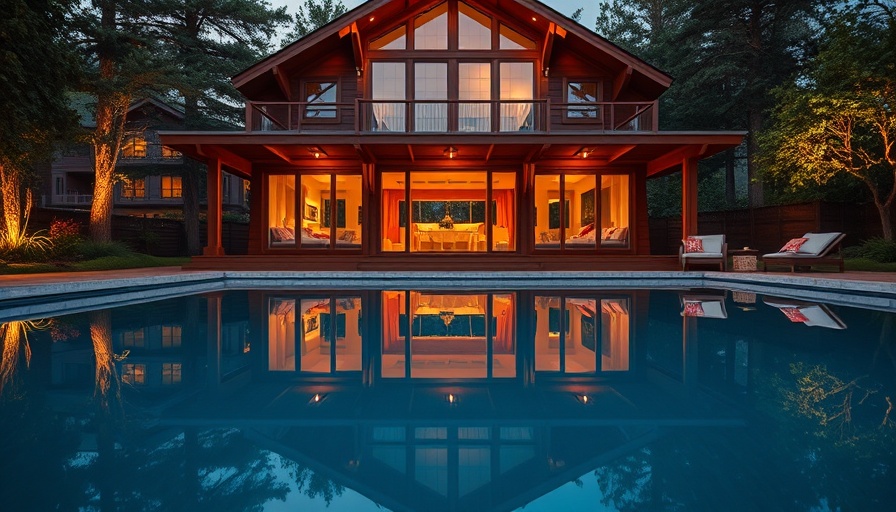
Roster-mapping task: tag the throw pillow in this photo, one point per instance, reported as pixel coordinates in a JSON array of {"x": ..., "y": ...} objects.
[
  {"x": 693, "y": 244},
  {"x": 794, "y": 245},
  {"x": 608, "y": 233},
  {"x": 585, "y": 230},
  {"x": 794, "y": 314},
  {"x": 693, "y": 309},
  {"x": 349, "y": 235}
]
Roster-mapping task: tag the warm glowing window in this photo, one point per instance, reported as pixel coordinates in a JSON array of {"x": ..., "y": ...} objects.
[
  {"x": 582, "y": 98},
  {"x": 133, "y": 374},
  {"x": 282, "y": 211},
  {"x": 582, "y": 212},
  {"x": 171, "y": 335},
  {"x": 171, "y": 373},
  {"x": 517, "y": 83},
  {"x": 132, "y": 339},
  {"x": 134, "y": 147},
  {"x": 133, "y": 188},
  {"x": 171, "y": 187},
  {"x": 321, "y": 98},
  {"x": 170, "y": 154},
  {"x": 431, "y": 29},
  {"x": 430, "y": 83}
]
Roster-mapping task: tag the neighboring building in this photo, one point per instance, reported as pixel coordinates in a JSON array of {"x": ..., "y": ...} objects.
[
  {"x": 71, "y": 179},
  {"x": 425, "y": 131}
]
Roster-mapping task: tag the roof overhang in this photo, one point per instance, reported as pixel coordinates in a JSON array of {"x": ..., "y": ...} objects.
[{"x": 657, "y": 153}]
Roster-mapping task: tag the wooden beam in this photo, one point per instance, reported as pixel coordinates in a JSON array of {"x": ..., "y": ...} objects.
[
  {"x": 672, "y": 159},
  {"x": 279, "y": 152},
  {"x": 688, "y": 197},
  {"x": 357, "y": 49},
  {"x": 366, "y": 156},
  {"x": 282, "y": 82},
  {"x": 623, "y": 150},
  {"x": 488, "y": 154},
  {"x": 214, "y": 210},
  {"x": 231, "y": 159},
  {"x": 411, "y": 153},
  {"x": 547, "y": 48},
  {"x": 621, "y": 81}
]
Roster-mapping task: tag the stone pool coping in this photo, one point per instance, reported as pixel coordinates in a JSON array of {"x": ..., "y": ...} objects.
[{"x": 70, "y": 292}]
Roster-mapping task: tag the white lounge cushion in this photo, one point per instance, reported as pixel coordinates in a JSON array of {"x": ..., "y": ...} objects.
[
  {"x": 817, "y": 242},
  {"x": 712, "y": 247}
]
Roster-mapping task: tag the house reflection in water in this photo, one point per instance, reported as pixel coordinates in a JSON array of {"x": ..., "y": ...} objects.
[{"x": 425, "y": 400}]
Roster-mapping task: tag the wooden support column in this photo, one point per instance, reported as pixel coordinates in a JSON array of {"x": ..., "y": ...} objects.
[
  {"x": 213, "y": 339},
  {"x": 688, "y": 197},
  {"x": 215, "y": 210}
]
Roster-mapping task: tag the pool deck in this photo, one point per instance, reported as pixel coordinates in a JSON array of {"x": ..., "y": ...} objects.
[{"x": 34, "y": 287}]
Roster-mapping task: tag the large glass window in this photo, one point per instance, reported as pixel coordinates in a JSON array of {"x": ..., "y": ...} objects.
[
  {"x": 392, "y": 40},
  {"x": 573, "y": 213},
  {"x": 394, "y": 212},
  {"x": 388, "y": 84},
  {"x": 133, "y": 188},
  {"x": 517, "y": 83},
  {"x": 474, "y": 83},
  {"x": 430, "y": 83},
  {"x": 582, "y": 98},
  {"x": 431, "y": 29},
  {"x": 331, "y": 335},
  {"x": 134, "y": 147},
  {"x": 513, "y": 40},
  {"x": 282, "y": 211},
  {"x": 314, "y": 234}
]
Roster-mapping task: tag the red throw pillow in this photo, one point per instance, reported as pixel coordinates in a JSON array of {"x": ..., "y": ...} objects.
[
  {"x": 693, "y": 244},
  {"x": 308, "y": 232},
  {"x": 794, "y": 314},
  {"x": 321, "y": 236},
  {"x": 794, "y": 245},
  {"x": 585, "y": 230},
  {"x": 693, "y": 309}
]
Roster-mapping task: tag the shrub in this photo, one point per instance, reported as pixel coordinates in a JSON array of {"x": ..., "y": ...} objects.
[
  {"x": 89, "y": 250},
  {"x": 24, "y": 247},
  {"x": 874, "y": 249},
  {"x": 65, "y": 235}
]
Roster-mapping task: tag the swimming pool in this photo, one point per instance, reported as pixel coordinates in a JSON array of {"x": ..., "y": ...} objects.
[{"x": 408, "y": 398}]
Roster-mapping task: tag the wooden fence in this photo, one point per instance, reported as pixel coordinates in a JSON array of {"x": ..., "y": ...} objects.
[
  {"x": 156, "y": 236},
  {"x": 769, "y": 227}
]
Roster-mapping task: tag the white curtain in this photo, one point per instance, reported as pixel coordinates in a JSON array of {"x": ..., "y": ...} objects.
[
  {"x": 389, "y": 117},
  {"x": 431, "y": 117},
  {"x": 515, "y": 117},
  {"x": 474, "y": 117}
]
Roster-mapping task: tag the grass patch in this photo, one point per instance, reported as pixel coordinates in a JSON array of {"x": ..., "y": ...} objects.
[
  {"x": 103, "y": 263},
  {"x": 866, "y": 265}
]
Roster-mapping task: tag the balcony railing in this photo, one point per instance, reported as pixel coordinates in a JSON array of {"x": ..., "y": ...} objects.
[
  {"x": 452, "y": 116},
  {"x": 82, "y": 199}
]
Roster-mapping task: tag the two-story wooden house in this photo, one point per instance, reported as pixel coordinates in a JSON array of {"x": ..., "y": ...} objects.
[
  {"x": 151, "y": 171},
  {"x": 448, "y": 133}
]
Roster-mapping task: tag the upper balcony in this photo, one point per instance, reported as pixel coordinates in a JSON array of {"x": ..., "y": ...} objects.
[{"x": 452, "y": 116}]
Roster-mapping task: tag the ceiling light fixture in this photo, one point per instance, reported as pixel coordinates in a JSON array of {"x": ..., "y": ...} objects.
[
  {"x": 317, "y": 152},
  {"x": 584, "y": 152},
  {"x": 450, "y": 152}
]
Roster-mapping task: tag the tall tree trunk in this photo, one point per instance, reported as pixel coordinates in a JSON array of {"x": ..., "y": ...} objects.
[
  {"x": 886, "y": 219},
  {"x": 755, "y": 191},
  {"x": 190, "y": 185},
  {"x": 10, "y": 186},
  {"x": 730, "y": 189},
  {"x": 111, "y": 111}
]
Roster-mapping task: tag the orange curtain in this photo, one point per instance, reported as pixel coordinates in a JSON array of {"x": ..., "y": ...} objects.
[
  {"x": 391, "y": 199},
  {"x": 392, "y": 342},
  {"x": 505, "y": 211},
  {"x": 504, "y": 311}
]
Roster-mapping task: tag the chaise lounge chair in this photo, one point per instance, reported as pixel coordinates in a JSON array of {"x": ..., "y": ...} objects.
[
  {"x": 809, "y": 250},
  {"x": 808, "y": 313},
  {"x": 703, "y": 250},
  {"x": 695, "y": 304}
]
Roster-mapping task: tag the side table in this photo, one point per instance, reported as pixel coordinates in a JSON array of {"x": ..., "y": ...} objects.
[{"x": 743, "y": 260}]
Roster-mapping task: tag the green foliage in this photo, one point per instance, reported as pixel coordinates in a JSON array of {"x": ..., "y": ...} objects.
[
  {"x": 89, "y": 250},
  {"x": 875, "y": 249},
  {"x": 103, "y": 263},
  {"x": 236, "y": 217},
  {"x": 24, "y": 247},
  {"x": 311, "y": 16},
  {"x": 836, "y": 120}
]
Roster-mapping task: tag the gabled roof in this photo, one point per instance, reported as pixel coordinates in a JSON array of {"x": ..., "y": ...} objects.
[{"x": 376, "y": 17}]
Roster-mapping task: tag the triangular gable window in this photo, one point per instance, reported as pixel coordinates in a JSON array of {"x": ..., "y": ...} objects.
[
  {"x": 513, "y": 40},
  {"x": 474, "y": 29},
  {"x": 393, "y": 40},
  {"x": 431, "y": 29}
]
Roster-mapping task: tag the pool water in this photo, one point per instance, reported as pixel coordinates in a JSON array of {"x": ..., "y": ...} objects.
[{"x": 443, "y": 400}]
